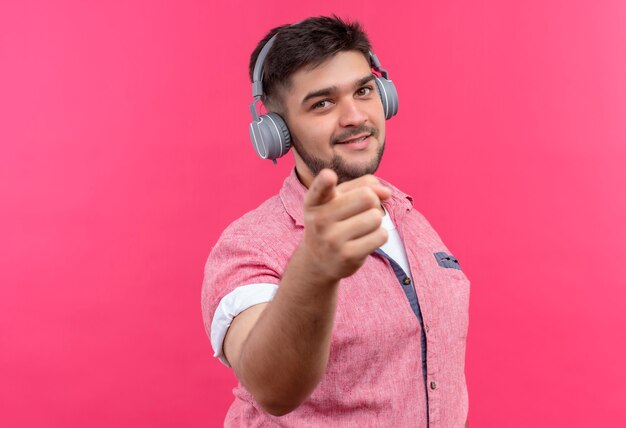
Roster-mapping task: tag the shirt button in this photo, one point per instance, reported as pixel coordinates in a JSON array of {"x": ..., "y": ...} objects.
[
  {"x": 433, "y": 385},
  {"x": 406, "y": 280},
  {"x": 426, "y": 328}
]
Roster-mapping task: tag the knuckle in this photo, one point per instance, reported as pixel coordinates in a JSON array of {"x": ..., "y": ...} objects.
[
  {"x": 345, "y": 256},
  {"x": 332, "y": 240},
  {"x": 372, "y": 218},
  {"x": 309, "y": 217},
  {"x": 315, "y": 220},
  {"x": 379, "y": 217},
  {"x": 377, "y": 213},
  {"x": 366, "y": 179},
  {"x": 382, "y": 236},
  {"x": 370, "y": 179},
  {"x": 369, "y": 197},
  {"x": 318, "y": 220}
]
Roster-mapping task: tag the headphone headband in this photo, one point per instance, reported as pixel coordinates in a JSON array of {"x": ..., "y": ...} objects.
[{"x": 257, "y": 74}]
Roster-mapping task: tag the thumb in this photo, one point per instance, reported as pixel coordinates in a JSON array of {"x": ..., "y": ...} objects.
[{"x": 322, "y": 189}]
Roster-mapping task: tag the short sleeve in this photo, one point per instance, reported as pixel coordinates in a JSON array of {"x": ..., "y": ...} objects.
[
  {"x": 238, "y": 259},
  {"x": 231, "y": 305}
]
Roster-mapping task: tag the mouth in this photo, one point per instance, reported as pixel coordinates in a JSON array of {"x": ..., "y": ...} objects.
[
  {"x": 358, "y": 143},
  {"x": 356, "y": 139}
]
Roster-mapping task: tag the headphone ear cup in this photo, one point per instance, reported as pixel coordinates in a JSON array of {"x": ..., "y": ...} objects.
[
  {"x": 388, "y": 96},
  {"x": 270, "y": 136}
]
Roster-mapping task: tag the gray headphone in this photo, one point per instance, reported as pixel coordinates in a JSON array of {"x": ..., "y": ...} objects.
[{"x": 269, "y": 133}]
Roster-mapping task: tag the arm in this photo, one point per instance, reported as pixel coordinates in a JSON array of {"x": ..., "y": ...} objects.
[{"x": 279, "y": 350}]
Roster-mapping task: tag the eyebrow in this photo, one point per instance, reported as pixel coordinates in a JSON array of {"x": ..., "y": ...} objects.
[{"x": 327, "y": 91}]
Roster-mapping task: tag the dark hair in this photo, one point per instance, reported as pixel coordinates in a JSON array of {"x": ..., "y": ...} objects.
[{"x": 305, "y": 44}]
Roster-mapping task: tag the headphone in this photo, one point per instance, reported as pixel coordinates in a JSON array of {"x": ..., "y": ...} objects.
[{"x": 269, "y": 133}]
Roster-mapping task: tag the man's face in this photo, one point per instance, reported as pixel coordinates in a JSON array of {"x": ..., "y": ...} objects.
[{"x": 335, "y": 118}]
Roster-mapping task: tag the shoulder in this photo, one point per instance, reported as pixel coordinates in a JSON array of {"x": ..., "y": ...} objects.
[
  {"x": 247, "y": 252},
  {"x": 263, "y": 237},
  {"x": 259, "y": 226}
]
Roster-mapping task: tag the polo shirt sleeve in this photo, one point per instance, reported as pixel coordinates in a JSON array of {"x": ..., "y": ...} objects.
[
  {"x": 241, "y": 272},
  {"x": 231, "y": 305}
]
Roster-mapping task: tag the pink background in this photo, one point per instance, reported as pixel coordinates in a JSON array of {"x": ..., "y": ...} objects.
[{"x": 124, "y": 152}]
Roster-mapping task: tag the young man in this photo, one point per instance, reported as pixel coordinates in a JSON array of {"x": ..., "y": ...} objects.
[{"x": 335, "y": 301}]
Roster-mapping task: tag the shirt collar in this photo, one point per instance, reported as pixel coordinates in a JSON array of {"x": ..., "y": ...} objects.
[
  {"x": 292, "y": 197},
  {"x": 293, "y": 191}
]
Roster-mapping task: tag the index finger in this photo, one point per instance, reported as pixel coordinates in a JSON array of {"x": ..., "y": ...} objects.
[{"x": 322, "y": 188}]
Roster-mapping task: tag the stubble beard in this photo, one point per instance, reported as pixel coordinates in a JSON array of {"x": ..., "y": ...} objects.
[{"x": 345, "y": 172}]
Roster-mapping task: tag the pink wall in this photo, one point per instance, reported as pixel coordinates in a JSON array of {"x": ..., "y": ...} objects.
[{"x": 124, "y": 153}]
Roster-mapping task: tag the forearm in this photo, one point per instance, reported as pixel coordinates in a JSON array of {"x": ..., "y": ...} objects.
[{"x": 285, "y": 355}]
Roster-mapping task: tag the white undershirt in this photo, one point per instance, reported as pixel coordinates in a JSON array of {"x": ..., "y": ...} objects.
[
  {"x": 246, "y": 296},
  {"x": 394, "y": 247}
]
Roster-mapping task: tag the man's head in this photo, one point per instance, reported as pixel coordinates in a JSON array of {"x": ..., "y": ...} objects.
[{"x": 318, "y": 77}]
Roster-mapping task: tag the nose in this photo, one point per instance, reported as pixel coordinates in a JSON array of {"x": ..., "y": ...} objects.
[{"x": 352, "y": 114}]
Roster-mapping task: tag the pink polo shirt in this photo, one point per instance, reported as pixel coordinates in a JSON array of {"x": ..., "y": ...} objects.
[{"x": 374, "y": 375}]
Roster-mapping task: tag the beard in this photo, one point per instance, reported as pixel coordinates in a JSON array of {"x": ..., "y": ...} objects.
[{"x": 345, "y": 172}]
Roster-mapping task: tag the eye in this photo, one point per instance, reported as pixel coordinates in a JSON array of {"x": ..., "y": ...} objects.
[
  {"x": 321, "y": 105},
  {"x": 364, "y": 91}
]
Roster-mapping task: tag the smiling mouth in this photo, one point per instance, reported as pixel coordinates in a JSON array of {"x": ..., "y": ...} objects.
[{"x": 356, "y": 139}]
